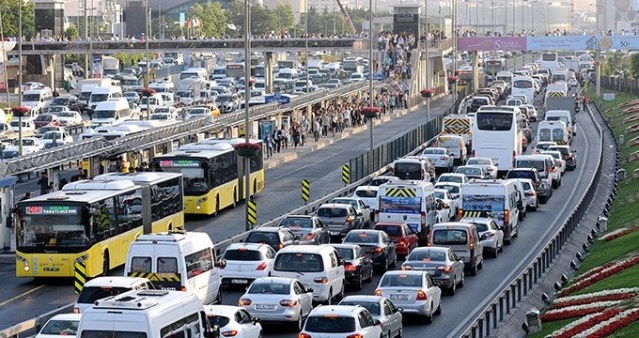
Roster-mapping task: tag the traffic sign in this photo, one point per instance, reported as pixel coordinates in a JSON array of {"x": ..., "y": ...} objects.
[
  {"x": 346, "y": 174},
  {"x": 277, "y": 98},
  {"x": 251, "y": 215},
  {"x": 306, "y": 190}
]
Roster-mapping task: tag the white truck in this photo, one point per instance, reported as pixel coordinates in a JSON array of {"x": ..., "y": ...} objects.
[
  {"x": 110, "y": 66},
  {"x": 188, "y": 90}
]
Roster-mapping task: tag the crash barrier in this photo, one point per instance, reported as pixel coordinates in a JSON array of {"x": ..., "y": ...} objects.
[{"x": 481, "y": 323}]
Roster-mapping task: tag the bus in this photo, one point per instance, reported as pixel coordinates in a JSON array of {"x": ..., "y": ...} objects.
[
  {"x": 498, "y": 134},
  {"x": 493, "y": 66},
  {"x": 524, "y": 86},
  {"x": 213, "y": 175},
  {"x": 465, "y": 75},
  {"x": 87, "y": 221},
  {"x": 549, "y": 60},
  {"x": 353, "y": 64},
  {"x": 235, "y": 70}
]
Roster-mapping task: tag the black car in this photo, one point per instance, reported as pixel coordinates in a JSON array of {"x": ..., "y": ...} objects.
[
  {"x": 358, "y": 266},
  {"x": 542, "y": 188},
  {"x": 377, "y": 244},
  {"x": 276, "y": 237},
  {"x": 568, "y": 155},
  {"x": 69, "y": 101}
]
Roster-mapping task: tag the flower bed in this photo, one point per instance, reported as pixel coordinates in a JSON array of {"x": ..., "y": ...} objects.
[
  {"x": 584, "y": 323},
  {"x": 427, "y": 92},
  {"x": 607, "y": 327},
  {"x": 247, "y": 149},
  {"x": 371, "y": 112},
  {"x": 599, "y": 296},
  {"x": 608, "y": 271},
  {"x": 618, "y": 233},
  {"x": 576, "y": 311}
]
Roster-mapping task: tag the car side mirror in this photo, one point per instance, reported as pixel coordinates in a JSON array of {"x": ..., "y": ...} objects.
[
  {"x": 377, "y": 322},
  {"x": 256, "y": 320},
  {"x": 221, "y": 263},
  {"x": 309, "y": 290}
]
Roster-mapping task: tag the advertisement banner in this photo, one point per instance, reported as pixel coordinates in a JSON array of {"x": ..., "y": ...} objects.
[
  {"x": 492, "y": 43},
  {"x": 548, "y": 43}
]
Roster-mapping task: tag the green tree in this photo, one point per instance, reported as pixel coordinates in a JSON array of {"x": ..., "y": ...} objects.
[
  {"x": 95, "y": 27},
  {"x": 71, "y": 33},
  {"x": 211, "y": 17},
  {"x": 614, "y": 64},
  {"x": 282, "y": 18},
  {"x": 9, "y": 12},
  {"x": 165, "y": 25},
  {"x": 634, "y": 65}
]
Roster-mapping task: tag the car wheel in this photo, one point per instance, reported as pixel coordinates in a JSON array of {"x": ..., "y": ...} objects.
[
  {"x": 370, "y": 275},
  {"x": 360, "y": 283},
  {"x": 400, "y": 334},
  {"x": 461, "y": 281},
  {"x": 473, "y": 270},
  {"x": 394, "y": 262},
  {"x": 496, "y": 252},
  {"x": 439, "y": 309},
  {"x": 340, "y": 295},
  {"x": 329, "y": 300},
  {"x": 555, "y": 184},
  {"x": 218, "y": 299},
  {"x": 559, "y": 184},
  {"x": 299, "y": 324},
  {"x": 453, "y": 289},
  {"x": 428, "y": 319}
]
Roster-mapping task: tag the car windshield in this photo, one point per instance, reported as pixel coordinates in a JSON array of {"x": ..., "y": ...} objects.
[
  {"x": 293, "y": 223},
  {"x": 481, "y": 227},
  {"x": 537, "y": 164},
  {"x": 440, "y": 194},
  {"x": 408, "y": 171},
  {"x": 469, "y": 171},
  {"x": 450, "y": 237},
  {"x": 427, "y": 255},
  {"x": 372, "y": 307},
  {"x": 451, "y": 188},
  {"x": 60, "y": 327},
  {"x": 332, "y": 212},
  {"x": 450, "y": 178},
  {"x": 434, "y": 151},
  {"x": 360, "y": 237},
  {"x": 298, "y": 262},
  {"x": 242, "y": 255},
  {"x": 563, "y": 150},
  {"x": 90, "y": 294},
  {"x": 269, "y": 288},
  {"x": 220, "y": 321},
  {"x": 366, "y": 193},
  {"x": 478, "y": 161},
  {"x": 66, "y": 114},
  {"x": 271, "y": 238},
  {"x": 43, "y": 118},
  {"x": 401, "y": 280},
  {"x": 330, "y": 324},
  {"x": 346, "y": 253},
  {"x": 520, "y": 174}
]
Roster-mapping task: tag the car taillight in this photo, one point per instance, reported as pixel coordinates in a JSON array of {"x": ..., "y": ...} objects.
[
  {"x": 376, "y": 216},
  {"x": 473, "y": 152},
  {"x": 514, "y": 153},
  {"x": 531, "y": 193},
  {"x": 406, "y": 267},
  {"x": 281, "y": 246},
  {"x": 460, "y": 214},
  {"x": 357, "y": 335},
  {"x": 309, "y": 236},
  {"x": 244, "y": 302},
  {"x": 350, "y": 267},
  {"x": 506, "y": 217},
  {"x": 76, "y": 310},
  {"x": 378, "y": 292},
  {"x": 288, "y": 302},
  {"x": 321, "y": 280},
  {"x": 554, "y": 170},
  {"x": 423, "y": 218},
  {"x": 262, "y": 266},
  {"x": 303, "y": 335},
  {"x": 379, "y": 250},
  {"x": 421, "y": 295},
  {"x": 490, "y": 169},
  {"x": 231, "y": 333},
  {"x": 350, "y": 219},
  {"x": 423, "y": 174},
  {"x": 445, "y": 269},
  {"x": 443, "y": 158},
  {"x": 401, "y": 243}
]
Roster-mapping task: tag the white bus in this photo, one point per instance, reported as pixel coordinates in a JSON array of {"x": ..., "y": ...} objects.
[
  {"x": 524, "y": 86},
  {"x": 549, "y": 60},
  {"x": 497, "y": 134},
  {"x": 177, "y": 260}
]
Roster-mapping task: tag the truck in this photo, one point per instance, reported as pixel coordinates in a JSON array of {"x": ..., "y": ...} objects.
[
  {"x": 110, "y": 66},
  {"x": 557, "y": 100},
  {"x": 188, "y": 90},
  {"x": 459, "y": 125}
]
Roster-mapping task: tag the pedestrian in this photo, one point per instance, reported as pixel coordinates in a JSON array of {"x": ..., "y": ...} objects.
[
  {"x": 268, "y": 142},
  {"x": 26, "y": 196},
  {"x": 43, "y": 182},
  {"x": 277, "y": 137},
  {"x": 316, "y": 128},
  {"x": 62, "y": 183},
  {"x": 50, "y": 188},
  {"x": 284, "y": 137}
]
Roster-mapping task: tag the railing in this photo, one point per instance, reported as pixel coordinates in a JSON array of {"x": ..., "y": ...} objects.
[
  {"x": 164, "y": 72},
  {"x": 481, "y": 324}
]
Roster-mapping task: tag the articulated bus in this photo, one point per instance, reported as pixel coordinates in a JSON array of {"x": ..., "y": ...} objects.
[
  {"x": 213, "y": 175},
  {"x": 87, "y": 221},
  {"x": 497, "y": 133}
]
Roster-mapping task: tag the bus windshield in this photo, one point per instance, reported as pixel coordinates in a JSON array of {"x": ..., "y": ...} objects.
[
  {"x": 52, "y": 225},
  {"x": 494, "y": 121},
  {"x": 522, "y": 84},
  {"x": 195, "y": 182}
]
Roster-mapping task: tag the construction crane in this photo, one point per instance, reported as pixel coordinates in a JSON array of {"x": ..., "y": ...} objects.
[{"x": 347, "y": 18}]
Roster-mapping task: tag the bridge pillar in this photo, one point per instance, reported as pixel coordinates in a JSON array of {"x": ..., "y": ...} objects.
[
  {"x": 7, "y": 226},
  {"x": 268, "y": 71},
  {"x": 475, "y": 57}
]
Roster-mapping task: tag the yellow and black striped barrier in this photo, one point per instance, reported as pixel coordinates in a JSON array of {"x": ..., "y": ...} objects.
[
  {"x": 251, "y": 215},
  {"x": 346, "y": 174},
  {"x": 306, "y": 190},
  {"x": 401, "y": 192},
  {"x": 157, "y": 277},
  {"x": 80, "y": 276}
]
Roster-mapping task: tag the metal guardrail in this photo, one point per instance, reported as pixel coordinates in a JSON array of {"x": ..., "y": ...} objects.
[
  {"x": 164, "y": 72},
  {"x": 488, "y": 318},
  {"x": 32, "y": 326}
]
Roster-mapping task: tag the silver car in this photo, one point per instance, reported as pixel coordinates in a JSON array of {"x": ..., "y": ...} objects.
[
  {"x": 441, "y": 263},
  {"x": 278, "y": 299},
  {"x": 340, "y": 218},
  {"x": 359, "y": 205},
  {"x": 382, "y": 309},
  {"x": 490, "y": 236},
  {"x": 309, "y": 229},
  {"x": 440, "y": 157},
  {"x": 530, "y": 195},
  {"x": 486, "y": 163},
  {"x": 414, "y": 291}
]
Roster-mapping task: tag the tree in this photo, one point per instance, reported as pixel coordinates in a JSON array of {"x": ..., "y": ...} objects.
[
  {"x": 634, "y": 65},
  {"x": 213, "y": 21},
  {"x": 71, "y": 33},
  {"x": 282, "y": 17},
  {"x": 168, "y": 27},
  {"x": 9, "y": 12}
]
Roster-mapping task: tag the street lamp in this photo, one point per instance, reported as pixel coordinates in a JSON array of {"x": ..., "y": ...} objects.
[
  {"x": 247, "y": 97},
  {"x": 19, "y": 76},
  {"x": 370, "y": 65},
  {"x": 308, "y": 88}
]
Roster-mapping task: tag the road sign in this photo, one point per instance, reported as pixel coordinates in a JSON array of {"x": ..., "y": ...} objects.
[
  {"x": 277, "y": 98},
  {"x": 346, "y": 174},
  {"x": 609, "y": 96},
  {"x": 306, "y": 190},
  {"x": 80, "y": 276},
  {"x": 251, "y": 215}
]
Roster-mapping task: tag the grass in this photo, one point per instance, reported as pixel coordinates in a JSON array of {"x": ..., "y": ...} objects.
[
  {"x": 630, "y": 331},
  {"x": 624, "y": 279},
  {"x": 549, "y": 327},
  {"x": 603, "y": 252}
]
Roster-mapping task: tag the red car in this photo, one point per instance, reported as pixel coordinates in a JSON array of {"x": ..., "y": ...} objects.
[
  {"x": 45, "y": 120},
  {"x": 404, "y": 237}
]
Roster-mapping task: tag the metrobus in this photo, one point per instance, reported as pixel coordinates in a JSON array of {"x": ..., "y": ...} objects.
[
  {"x": 213, "y": 175},
  {"x": 524, "y": 86},
  {"x": 494, "y": 66},
  {"x": 498, "y": 134},
  {"x": 235, "y": 70},
  {"x": 87, "y": 221},
  {"x": 466, "y": 78},
  {"x": 549, "y": 60}
]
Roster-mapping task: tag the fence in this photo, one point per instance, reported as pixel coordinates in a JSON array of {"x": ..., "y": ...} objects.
[{"x": 488, "y": 318}]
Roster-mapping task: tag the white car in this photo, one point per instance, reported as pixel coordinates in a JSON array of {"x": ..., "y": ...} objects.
[
  {"x": 486, "y": 163},
  {"x": 356, "y": 77},
  {"x": 368, "y": 194},
  {"x": 53, "y": 139},
  {"x": 29, "y": 145},
  {"x": 278, "y": 300},
  {"x": 69, "y": 118},
  {"x": 27, "y": 125},
  {"x": 450, "y": 205},
  {"x": 246, "y": 262},
  {"x": 558, "y": 158},
  {"x": 33, "y": 86},
  {"x": 62, "y": 325},
  {"x": 412, "y": 290},
  {"x": 233, "y": 321},
  {"x": 441, "y": 158},
  {"x": 360, "y": 207},
  {"x": 530, "y": 195},
  {"x": 339, "y": 321},
  {"x": 452, "y": 177},
  {"x": 197, "y": 112},
  {"x": 382, "y": 309},
  {"x": 542, "y": 146},
  {"x": 490, "y": 236},
  {"x": 454, "y": 188}
]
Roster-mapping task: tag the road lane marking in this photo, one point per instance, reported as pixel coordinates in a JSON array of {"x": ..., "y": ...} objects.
[{"x": 21, "y": 295}]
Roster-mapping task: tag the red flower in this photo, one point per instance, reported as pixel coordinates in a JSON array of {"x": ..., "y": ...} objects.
[
  {"x": 621, "y": 233},
  {"x": 20, "y": 109},
  {"x": 584, "y": 282},
  {"x": 553, "y": 316},
  {"x": 453, "y": 78},
  {"x": 371, "y": 110},
  {"x": 607, "y": 314},
  {"x": 427, "y": 91},
  {"x": 247, "y": 146},
  {"x": 619, "y": 296},
  {"x": 607, "y": 330},
  {"x": 148, "y": 91}
]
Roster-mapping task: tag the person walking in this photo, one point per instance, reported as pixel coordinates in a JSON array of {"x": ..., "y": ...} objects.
[
  {"x": 277, "y": 137},
  {"x": 268, "y": 142},
  {"x": 316, "y": 128},
  {"x": 43, "y": 182}
]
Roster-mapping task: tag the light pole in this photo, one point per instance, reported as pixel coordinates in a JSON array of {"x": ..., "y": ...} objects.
[
  {"x": 428, "y": 55},
  {"x": 19, "y": 77},
  {"x": 147, "y": 63},
  {"x": 370, "y": 66},
  {"x": 247, "y": 97},
  {"x": 308, "y": 88}
]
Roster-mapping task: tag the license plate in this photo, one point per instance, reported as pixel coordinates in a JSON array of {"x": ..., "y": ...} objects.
[
  {"x": 430, "y": 271},
  {"x": 239, "y": 281},
  {"x": 399, "y": 297},
  {"x": 335, "y": 233},
  {"x": 266, "y": 307}
]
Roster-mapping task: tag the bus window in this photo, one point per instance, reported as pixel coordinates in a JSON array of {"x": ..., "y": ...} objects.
[{"x": 489, "y": 121}]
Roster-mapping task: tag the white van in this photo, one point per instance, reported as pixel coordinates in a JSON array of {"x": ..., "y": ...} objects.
[
  {"x": 413, "y": 168},
  {"x": 110, "y": 112},
  {"x": 455, "y": 145},
  {"x": 412, "y": 202},
  {"x": 219, "y": 73},
  {"x": 492, "y": 198},
  {"x": 163, "y": 86},
  {"x": 177, "y": 261},
  {"x": 101, "y": 94},
  {"x": 553, "y": 131},
  {"x": 544, "y": 164},
  {"x": 287, "y": 74},
  {"x": 151, "y": 102},
  {"x": 463, "y": 239},
  {"x": 37, "y": 100},
  {"x": 317, "y": 267},
  {"x": 194, "y": 72},
  {"x": 146, "y": 313},
  {"x": 564, "y": 116},
  {"x": 103, "y": 287}
]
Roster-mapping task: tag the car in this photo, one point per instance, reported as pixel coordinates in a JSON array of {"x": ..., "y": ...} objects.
[
  {"x": 450, "y": 205},
  {"x": 45, "y": 120},
  {"x": 197, "y": 112},
  {"x": 471, "y": 171},
  {"x": 55, "y": 109},
  {"x": 414, "y": 291},
  {"x": 572, "y": 82},
  {"x": 569, "y": 156},
  {"x": 377, "y": 76},
  {"x": 440, "y": 157},
  {"x": 69, "y": 118},
  {"x": 164, "y": 114},
  {"x": 339, "y": 321},
  {"x": 333, "y": 83},
  {"x": 65, "y": 325},
  {"x": 542, "y": 188},
  {"x": 276, "y": 237},
  {"x": 233, "y": 321},
  {"x": 69, "y": 101},
  {"x": 377, "y": 244},
  {"x": 532, "y": 112},
  {"x": 33, "y": 86},
  {"x": 246, "y": 262},
  {"x": 308, "y": 228},
  {"x": 278, "y": 300},
  {"x": 131, "y": 97},
  {"x": 381, "y": 179},
  {"x": 108, "y": 286},
  {"x": 427, "y": 163},
  {"x": 452, "y": 177},
  {"x": 441, "y": 263},
  {"x": 228, "y": 102},
  {"x": 486, "y": 163},
  {"x": 356, "y": 77},
  {"x": 401, "y": 233},
  {"x": 559, "y": 159},
  {"x": 362, "y": 210},
  {"x": 53, "y": 139},
  {"x": 490, "y": 235},
  {"x": 43, "y": 130},
  {"x": 543, "y": 145},
  {"x": 29, "y": 145},
  {"x": 9, "y": 153},
  {"x": 382, "y": 309},
  {"x": 530, "y": 195},
  {"x": 368, "y": 195},
  {"x": 358, "y": 266},
  {"x": 27, "y": 125}
]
